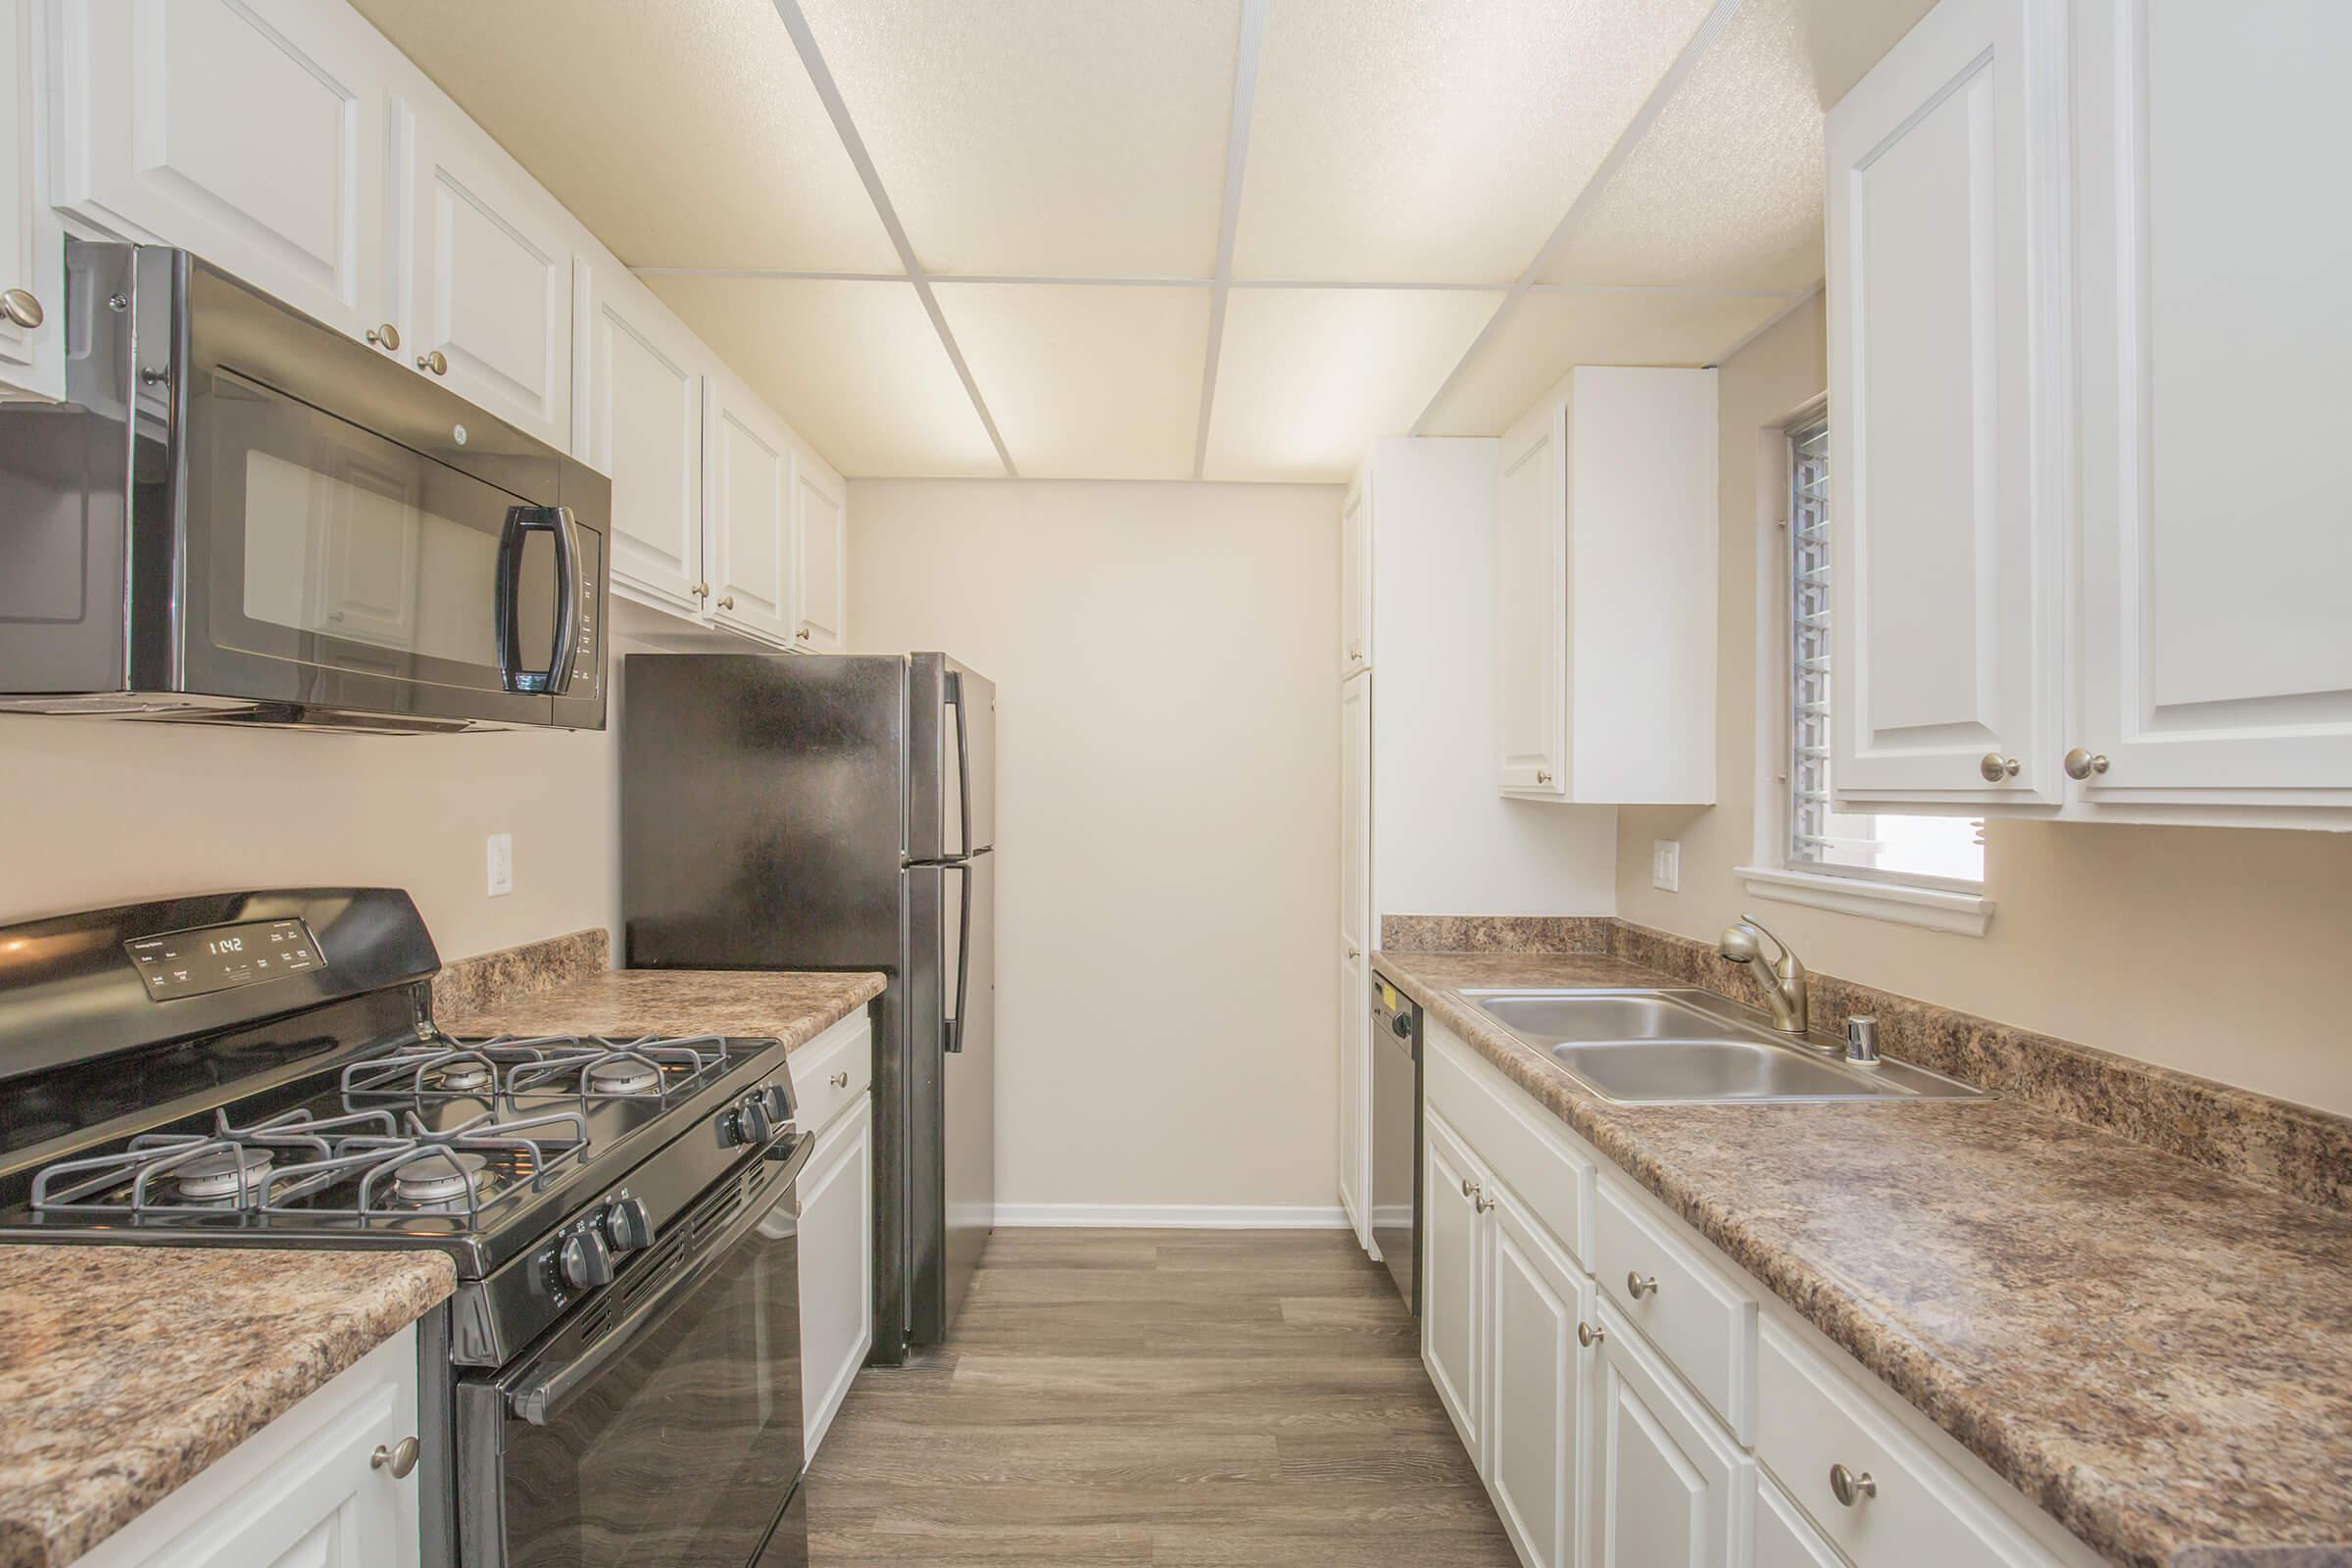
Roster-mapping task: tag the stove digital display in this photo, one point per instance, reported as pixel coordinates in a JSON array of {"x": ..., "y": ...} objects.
[{"x": 216, "y": 957}]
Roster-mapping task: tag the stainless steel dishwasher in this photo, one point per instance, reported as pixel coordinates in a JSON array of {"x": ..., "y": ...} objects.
[{"x": 1397, "y": 1137}]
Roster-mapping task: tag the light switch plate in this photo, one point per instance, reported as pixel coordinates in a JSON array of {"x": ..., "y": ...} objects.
[
  {"x": 501, "y": 863},
  {"x": 1666, "y": 865}
]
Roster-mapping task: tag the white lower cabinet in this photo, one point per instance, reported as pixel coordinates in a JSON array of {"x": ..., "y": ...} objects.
[
  {"x": 1612, "y": 1420},
  {"x": 307, "y": 1491},
  {"x": 831, "y": 1075}
]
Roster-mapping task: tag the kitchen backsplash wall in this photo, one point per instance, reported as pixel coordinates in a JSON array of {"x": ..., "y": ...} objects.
[
  {"x": 1167, "y": 756},
  {"x": 2211, "y": 950}
]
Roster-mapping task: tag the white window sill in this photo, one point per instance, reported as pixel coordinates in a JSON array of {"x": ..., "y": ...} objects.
[{"x": 1933, "y": 908}]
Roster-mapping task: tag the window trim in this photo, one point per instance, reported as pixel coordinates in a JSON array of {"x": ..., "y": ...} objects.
[{"x": 1929, "y": 902}]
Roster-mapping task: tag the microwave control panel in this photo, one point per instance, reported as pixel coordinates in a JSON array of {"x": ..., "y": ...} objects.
[{"x": 220, "y": 957}]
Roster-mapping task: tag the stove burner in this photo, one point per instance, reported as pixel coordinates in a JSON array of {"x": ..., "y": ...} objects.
[
  {"x": 225, "y": 1173},
  {"x": 623, "y": 1075},
  {"x": 439, "y": 1177},
  {"x": 465, "y": 1076}
]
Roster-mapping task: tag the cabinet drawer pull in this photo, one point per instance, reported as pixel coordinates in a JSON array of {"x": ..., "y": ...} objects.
[
  {"x": 1848, "y": 1488},
  {"x": 1996, "y": 768},
  {"x": 1587, "y": 1336},
  {"x": 400, "y": 1458},
  {"x": 1639, "y": 1285},
  {"x": 840, "y": 1080}
]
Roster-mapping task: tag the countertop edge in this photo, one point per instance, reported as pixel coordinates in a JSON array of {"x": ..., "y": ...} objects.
[
  {"x": 619, "y": 1002},
  {"x": 1882, "y": 1346}
]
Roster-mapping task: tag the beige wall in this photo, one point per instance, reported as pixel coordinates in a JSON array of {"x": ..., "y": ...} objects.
[
  {"x": 2205, "y": 948},
  {"x": 1167, "y": 787}
]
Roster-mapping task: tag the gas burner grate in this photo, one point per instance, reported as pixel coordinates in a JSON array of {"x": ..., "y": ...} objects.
[{"x": 592, "y": 1068}]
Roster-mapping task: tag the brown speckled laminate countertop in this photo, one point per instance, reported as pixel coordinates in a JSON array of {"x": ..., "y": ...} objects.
[
  {"x": 794, "y": 1007},
  {"x": 125, "y": 1370},
  {"x": 2158, "y": 1355}
]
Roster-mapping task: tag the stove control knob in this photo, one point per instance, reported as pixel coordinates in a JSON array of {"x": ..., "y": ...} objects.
[
  {"x": 584, "y": 1261},
  {"x": 629, "y": 1225},
  {"x": 779, "y": 1103},
  {"x": 752, "y": 1124}
]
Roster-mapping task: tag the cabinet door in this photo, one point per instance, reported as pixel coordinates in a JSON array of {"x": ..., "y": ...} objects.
[
  {"x": 1665, "y": 1485},
  {"x": 489, "y": 276},
  {"x": 250, "y": 131},
  {"x": 1355, "y": 580},
  {"x": 638, "y": 391},
  {"x": 31, "y": 250},
  {"x": 1946, "y": 325},
  {"x": 2217, "y": 621},
  {"x": 747, "y": 520},
  {"x": 1536, "y": 1405},
  {"x": 1355, "y": 1092},
  {"x": 1785, "y": 1536},
  {"x": 1452, "y": 1271},
  {"x": 837, "y": 1266},
  {"x": 1531, "y": 605},
  {"x": 820, "y": 565}
]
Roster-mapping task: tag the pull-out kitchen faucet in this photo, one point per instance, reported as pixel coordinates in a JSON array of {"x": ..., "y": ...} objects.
[{"x": 1785, "y": 989}]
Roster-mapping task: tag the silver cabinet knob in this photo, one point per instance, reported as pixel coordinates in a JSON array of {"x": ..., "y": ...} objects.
[
  {"x": 1543, "y": 777},
  {"x": 1849, "y": 1488},
  {"x": 727, "y": 602},
  {"x": 386, "y": 336},
  {"x": 1587, "y": 1336},
  {"x": 1482, "y": 1203},
  {"x": 2079, "y": 763},
  {"x": 1469, "y": 1188},
  {"x": 1640, "y": 1285},
  {"x": 400, "y": 1458},
  {"x": 701, "y": 590},
  {"x": 435, "y": 362},
  {"x": 1996, "y": 768},
  {"x": 801, "y": 634},
  {"x": 19, "y": 307},
  {"x": 840, "y": 1080},
  {"x": 1352, "y": 954}
]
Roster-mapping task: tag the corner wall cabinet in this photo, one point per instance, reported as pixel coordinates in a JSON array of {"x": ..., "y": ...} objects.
[
  {"x": 1632, "y": 1399},
  {"x": 1605, "y": 543},
  {"x": 288, "y": 143},
  {"x": 316, "y": 1486},
  {"x": 2085, "y": 384}
]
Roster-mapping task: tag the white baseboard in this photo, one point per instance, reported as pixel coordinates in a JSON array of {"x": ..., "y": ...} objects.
[{"x": 1174, "y": 1216}]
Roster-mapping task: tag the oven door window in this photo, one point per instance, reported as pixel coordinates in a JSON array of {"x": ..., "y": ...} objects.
[
  {"x": 683, "y": 1446},
  {"x": 346, "y": 571}
]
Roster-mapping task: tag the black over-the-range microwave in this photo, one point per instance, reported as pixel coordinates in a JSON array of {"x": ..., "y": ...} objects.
[{"x": 240, "y": 515}]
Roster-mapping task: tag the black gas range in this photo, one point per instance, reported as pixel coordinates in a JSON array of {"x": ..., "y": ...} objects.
[{"x": 264, "y": 1069}]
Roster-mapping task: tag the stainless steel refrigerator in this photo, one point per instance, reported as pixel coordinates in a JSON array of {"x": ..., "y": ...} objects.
[{"x": 788, "y": 811}]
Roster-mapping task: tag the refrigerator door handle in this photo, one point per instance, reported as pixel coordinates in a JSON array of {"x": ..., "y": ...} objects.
[
  {"x": 963, "y": 768},
  {"x": 952, "y": 1035}
]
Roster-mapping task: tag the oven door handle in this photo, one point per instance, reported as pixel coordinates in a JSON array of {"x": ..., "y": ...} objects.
[{"x": 541, "y": 1397}]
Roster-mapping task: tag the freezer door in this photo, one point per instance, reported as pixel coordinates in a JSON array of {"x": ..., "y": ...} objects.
[{"x": 952, "y": 729}]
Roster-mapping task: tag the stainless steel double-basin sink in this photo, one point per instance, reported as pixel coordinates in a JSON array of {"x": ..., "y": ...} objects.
[{"x": 1675, "y": 1046}]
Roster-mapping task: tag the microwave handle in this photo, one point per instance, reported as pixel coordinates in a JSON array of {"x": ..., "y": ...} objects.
[
  {"x": 557, "y": 522},
  {"x": 541, "y": 1397}
]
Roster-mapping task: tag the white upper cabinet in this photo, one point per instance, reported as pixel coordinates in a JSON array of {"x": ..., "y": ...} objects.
[
  {"x": 821, "y": 557},
  {"x": 2216, "y": 631},
  {"x": 1605, "y": 590},
  {"x": 1355, "y": 580},
  {"x": 250, "y": 131},
  {"x": 1946, "y": 299},
  {"x": 747, "y": 517},
  {"x": 32, "y": 354},
  {"x": 488, "y": 285},
  {"x": 638, "y": 419}
]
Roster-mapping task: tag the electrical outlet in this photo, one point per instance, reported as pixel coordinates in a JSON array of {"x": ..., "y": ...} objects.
[
  {"x": 501, "y": 863},
  {"x": 1666, "y": 865}
]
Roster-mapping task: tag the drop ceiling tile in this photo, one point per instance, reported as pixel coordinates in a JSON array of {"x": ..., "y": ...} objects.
[
  {"x": 1062, "y": 139},
  {"x": 1726, "y": 189},
  {"x": 857, "y": 369},
  {"x": 1308, "y": 378},
  {"x": 682, "y": 135},
  {"x": 1438, "y": 140},
  {"x": 1550, "y": 335},
  {"x": 1085, "y": 382}
]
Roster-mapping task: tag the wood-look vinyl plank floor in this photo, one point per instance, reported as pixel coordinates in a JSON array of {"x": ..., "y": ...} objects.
[{"x": 1210, "y": 1398}]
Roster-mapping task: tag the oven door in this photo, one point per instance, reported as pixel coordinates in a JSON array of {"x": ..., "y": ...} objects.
[{"x": 659, "y": 1424}]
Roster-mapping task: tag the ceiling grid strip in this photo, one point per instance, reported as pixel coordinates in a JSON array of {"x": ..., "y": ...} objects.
[
  {"x": 1701, "y": 40},
  {"x": 1237, "y": 161},
  {"x": 821, "y": 75},
  {"x": 1697, "y": 291}
]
